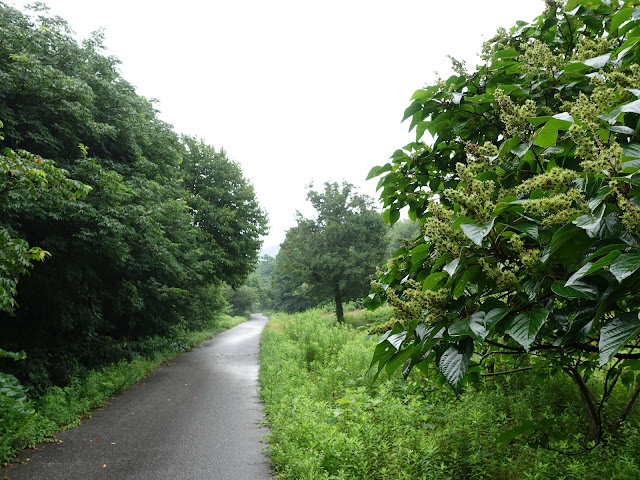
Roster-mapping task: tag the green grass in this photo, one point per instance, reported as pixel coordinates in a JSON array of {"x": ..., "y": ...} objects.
[
  {"x": 63, "y": 408},
  {"x": 329, "y": 419}
]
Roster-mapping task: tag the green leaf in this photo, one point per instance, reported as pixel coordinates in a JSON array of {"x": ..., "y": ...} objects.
[
  {"x": 375, "y": 171},
  {"x": 397, "y": 360},
  {"x": 522, "y": 149},
  {"x": 451, "y": 267},
  {"x": 525, "y": 428},
  {"x": 529, "y": 229},
  {"x": 454, "y": 362},
  {"x": 591, "y": 223},
  {"x": 433, "y": 280},
  {"x": 615, "y": 334},
  {"x": 546, "y": 136},
  {"x": 579, "y": 328},
  {"x": 476, "y": 232},
  {"x": 507, "y": 53},
  {"x": 625, "y": 265},
  {"x": 588, "y": 268},
  {"x": 633, "y": 107},
  {"x": 479, "y": 324},
  {"x": 619, "y": 18},
  {"x": 469, "y": 275},
  {"x": 418, "y": 255},
  {"x": 524, "y": 327},
  {"x": 598, "y": 62},
  {"x": 577, "y": 289},
  {"x": 632, "y": 150},
  {"x": 560, "y": 237}
]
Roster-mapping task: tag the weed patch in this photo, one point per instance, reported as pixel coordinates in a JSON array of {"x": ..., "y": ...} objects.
[{"x": 330, "y": 419}]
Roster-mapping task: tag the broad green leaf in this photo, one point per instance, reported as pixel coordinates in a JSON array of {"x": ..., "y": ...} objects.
[
  {"x": 615, "y": 334},
  {"x": 522, "y": 149},
  {"x": 546, "y": 136},
  {"x": 619, "y": 18},
  {"x": 397, "y": 360},
  {"x": 591, "y": 222},
  {"x": 598, "y": 62},
  {"x": 469, "y": 275},
  {"x": 632, "y": 150},
  {"x": 433, "y": 280},
  {"x": 452, "y": 266},
  {"x": 525, "y": 428},
  {"x": 396, "y": 339},
  {"x": 375, "y": 171},
  {"x": 633, "y": 107},
  {"x": 622, "y": 129},
  {"x": 479, "y": 324},
  {"x": 507, "y": 53},
  {"x": 625, "y": 265},
  {"x": 476, "y": 232},
  {"x": 579, "y": 327},
  {"x": 560, "y": 237},
  {"x": 577, "y": 289},
  {"x": 589, "y": 267},
  {"x": 525, "y": 326},
  {"x": 454, "y": 363},
  {"x": 530, "y": 229},
  {"x": 606, "y": 250},
  {"x": 418, "y": 255}
]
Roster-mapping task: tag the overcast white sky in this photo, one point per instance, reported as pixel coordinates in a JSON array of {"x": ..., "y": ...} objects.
[{"x": 296, "y": 91}]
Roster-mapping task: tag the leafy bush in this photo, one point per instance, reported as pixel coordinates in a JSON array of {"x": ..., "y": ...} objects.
[{"x": 528, "y": 201}]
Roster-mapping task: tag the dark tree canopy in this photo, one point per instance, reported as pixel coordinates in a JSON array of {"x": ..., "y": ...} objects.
[
  {"x": 333, "y": 255},
  {"x": 528, "y": 200},
  {"x": 166, "y": 222}
]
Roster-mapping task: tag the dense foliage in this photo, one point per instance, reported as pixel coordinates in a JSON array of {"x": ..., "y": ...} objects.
[
  {"x": 166, "y": 220},
  {"x": 527, "y": 194},
  {"x": 329, "y": 419},
  {"x": 332, "y": 256}
]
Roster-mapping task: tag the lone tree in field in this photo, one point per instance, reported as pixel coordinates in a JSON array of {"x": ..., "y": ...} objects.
[
  {"x": 333, "y": 255},
  {"x": 528, "y": 197}
]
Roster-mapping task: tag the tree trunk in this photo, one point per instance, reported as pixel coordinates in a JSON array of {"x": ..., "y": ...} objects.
[
  {"x": 626, "y": 409},
  {"x": 338, "y": 300},
  {"x": 595, "y": 425}
]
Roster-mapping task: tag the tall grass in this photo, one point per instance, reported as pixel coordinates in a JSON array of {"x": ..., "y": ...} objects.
[
  {"x": 330, "y": 419},
  {"x": 62, "y": 408}
]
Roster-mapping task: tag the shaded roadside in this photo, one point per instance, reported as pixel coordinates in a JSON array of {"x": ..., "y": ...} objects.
[{"x": 196, "y": 418}]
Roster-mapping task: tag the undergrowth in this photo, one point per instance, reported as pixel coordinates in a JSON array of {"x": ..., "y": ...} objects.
[
  {"x": 330, "y": 419},
  {"x": 35, "y": 420}
]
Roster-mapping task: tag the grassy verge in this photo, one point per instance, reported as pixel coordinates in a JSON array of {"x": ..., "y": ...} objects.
[
  {"x": 63, "y": 408},
  {"x": 329, "y": 419}
]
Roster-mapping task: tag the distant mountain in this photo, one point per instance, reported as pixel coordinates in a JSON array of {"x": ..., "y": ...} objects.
[{"x": 271, "y": 251}]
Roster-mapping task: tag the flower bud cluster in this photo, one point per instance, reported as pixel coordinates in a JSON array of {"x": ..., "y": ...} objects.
[
  {"x": 588, "y": 48},
  {"x": 630, "y": 213},
  {"x": 515, "y": 116},
  {"x": 556, "y": 209},
  {"x": 538, "y": 57},
  {"x": 501, "y": 274},
  {"x": 555, "y": 180},
  {"x": 438, "y": 231}
]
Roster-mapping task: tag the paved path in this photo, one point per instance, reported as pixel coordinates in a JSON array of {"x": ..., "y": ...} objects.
[{"x": 194, "y": 419}]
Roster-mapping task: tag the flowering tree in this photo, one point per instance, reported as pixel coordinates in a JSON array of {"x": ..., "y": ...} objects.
[{"x": 528, "y": 197}]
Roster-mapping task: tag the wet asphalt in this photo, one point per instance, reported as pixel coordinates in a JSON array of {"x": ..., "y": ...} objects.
[{"x": 197, "y": 418}]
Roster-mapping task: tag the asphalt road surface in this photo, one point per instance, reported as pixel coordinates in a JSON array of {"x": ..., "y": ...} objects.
[{"x": 197, "y": 418}]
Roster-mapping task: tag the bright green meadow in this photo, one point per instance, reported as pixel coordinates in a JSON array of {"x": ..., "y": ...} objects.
[{"x": 330, "y": 418}]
